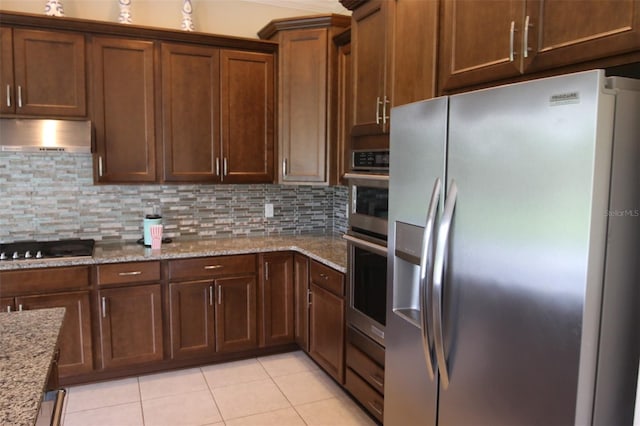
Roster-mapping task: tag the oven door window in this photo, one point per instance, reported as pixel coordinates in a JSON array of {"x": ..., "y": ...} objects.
[
  {"x": 370, "y": 284},
  {"x": 371, "y": 201}
]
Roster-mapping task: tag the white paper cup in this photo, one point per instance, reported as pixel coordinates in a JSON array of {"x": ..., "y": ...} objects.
[{"x": 156, "y": 236}]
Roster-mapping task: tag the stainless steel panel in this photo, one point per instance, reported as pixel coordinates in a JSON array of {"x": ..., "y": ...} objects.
[
  {"x": 37, "y": 135},
  {"x": 619, "y": 348},
  {"x": 417, "y": 158},
  {"x": 524, "y": 270}
]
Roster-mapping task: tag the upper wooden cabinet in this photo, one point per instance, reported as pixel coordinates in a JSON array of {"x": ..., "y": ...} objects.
[
  {"x": 217, "y": 114},
  {"x": 247, "y": 104},
  {"x": 42, "y": 72},
  {"x": 493, "y": 40},
  {"x": 123, "y": 99},
  {"x": 345, "y": 102},
  {"x": 394, "y": 49},
  {"x": 190, "y": 113},
  {"x": 307, "y": 96}
]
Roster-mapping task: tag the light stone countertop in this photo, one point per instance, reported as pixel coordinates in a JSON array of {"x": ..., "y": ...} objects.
[
  {"x": 330, "y": 250},
  {"x": 28, "y": 341}
]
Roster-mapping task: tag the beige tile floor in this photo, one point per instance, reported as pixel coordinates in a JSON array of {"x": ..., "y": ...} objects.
[{"x": 284, "y": 389}]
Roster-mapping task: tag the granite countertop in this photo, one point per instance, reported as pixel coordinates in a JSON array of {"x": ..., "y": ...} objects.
[
  {"x": 28, "y": 341},
  {"x": 330, "y": 250}
]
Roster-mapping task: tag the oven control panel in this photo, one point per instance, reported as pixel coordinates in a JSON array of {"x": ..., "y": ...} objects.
[{"x": 370, "y": 160}]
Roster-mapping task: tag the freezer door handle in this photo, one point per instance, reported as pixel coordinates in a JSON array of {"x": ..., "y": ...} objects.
[
  {"x": 425, "y": 262},
  {"x": 438, "y": 281}
]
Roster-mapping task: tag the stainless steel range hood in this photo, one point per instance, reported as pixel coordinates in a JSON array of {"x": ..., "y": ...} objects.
[{"x": 39, "y": 135}]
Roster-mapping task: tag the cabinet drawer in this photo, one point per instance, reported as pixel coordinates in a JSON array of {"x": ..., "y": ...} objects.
[
  {"x": 328, "y": 278},
  {"x": 205, "y": 267},
  {"x": 44, "y": 279},
  {"x": 132, "y": 272},
  {"x": 367, "y": 368},
  {"x": 369, "y": 398}
]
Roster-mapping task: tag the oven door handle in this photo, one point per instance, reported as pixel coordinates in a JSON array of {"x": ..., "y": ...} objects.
[{"x": 375, "y": 248}]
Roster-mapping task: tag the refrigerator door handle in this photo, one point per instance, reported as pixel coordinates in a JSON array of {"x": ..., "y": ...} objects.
[
  {"x": 438, "y": 281},
  {"x": 427, "y": 238}
]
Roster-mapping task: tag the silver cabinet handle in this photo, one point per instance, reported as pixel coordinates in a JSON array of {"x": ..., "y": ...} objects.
[
  {"x": 425, "y": 262},
  {"x": 308, "y": 297},
  {"x": 512, "y": 31},
  {"x": 375, "y": 407},
  {"x": 438, "y": 278},
  {"x": 284, "y": 167},
  {"x": 378, "y": 103},
  {"x": 104, "y": 307},
  {"x": 9, "y": 308},
  {"x": 217, "y": 166},
  {"x": 127, "y": 274},
  {"x": 385, "y": 117},
  {"x": 525, "y": 38},
  {"x": 225, "y": 170},
  {"x": 19, "y": 96},
  {"x": 210, "y": 295},
  {"x": 100, "y": 165},
  {"x": 266, "y": 271},
  {"x": 8, "y": 95},
  {"x": 213, "y": 267},
  {"x": 20, "y": 307},
  {"x": 219, "y": 295},
  {"x": 377, "y": 380}
]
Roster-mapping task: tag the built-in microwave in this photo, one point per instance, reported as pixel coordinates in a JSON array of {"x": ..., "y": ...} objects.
[{"x": 368, "y": 202}]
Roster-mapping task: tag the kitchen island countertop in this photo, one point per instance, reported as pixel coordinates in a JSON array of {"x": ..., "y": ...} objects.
[
  {"x": 330, "y": 250},
  {"x": 28, "y": 341}
]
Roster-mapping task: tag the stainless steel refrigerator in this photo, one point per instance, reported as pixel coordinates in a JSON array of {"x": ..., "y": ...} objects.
[{"x": 514, "y": 244}]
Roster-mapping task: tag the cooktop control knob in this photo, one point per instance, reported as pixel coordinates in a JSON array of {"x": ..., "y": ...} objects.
[
  {"x": 28, "y": 255},
  {"x": 39, "y": 255},
  {"x": 3, "y": 256},
  {"x": 15, "y": 255}
]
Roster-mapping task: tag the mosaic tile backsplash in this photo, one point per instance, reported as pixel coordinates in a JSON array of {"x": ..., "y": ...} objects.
[{"x": 47, "y": 196}]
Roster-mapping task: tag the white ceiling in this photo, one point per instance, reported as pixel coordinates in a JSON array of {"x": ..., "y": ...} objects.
[{"x": 317, "y": 6}]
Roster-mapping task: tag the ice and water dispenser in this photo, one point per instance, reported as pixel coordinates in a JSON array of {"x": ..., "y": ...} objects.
[{"x": 406, "y": 271}]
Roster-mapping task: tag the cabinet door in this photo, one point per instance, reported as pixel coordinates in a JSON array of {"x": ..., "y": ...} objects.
[
  {"x": 236, "y": 314},
  {"x": 303, "y": 97},
  {"x": 368, "y": 32},
  {"x": 75, "y": 335},
  {"x": 130, "y": 325},
  {"x": 301, "y": 289},
  {"x": 49, "y": 69},
  {"x": 326, "y": 331},
  {"x": 480, "y": 41},
  {"x": 277, "y": 299},
  {"x": 6, "y": 304},
  {"x": 563, "y": 32},
  {"x": 247, "y": 111},
  {"x": 7, "y": 105},
  {"x": 190, "y": 100},
  {"x": 191, "y": 318},
  {"x": 124, "y": 109},
  {"x": 344, "y": 122}
]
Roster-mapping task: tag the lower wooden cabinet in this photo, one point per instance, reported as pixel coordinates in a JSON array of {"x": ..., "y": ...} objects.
[
  {"x": 301, "y": 294},
  {"x": 236, "y": 327},
  {"x": 191, "y": 318},
  {"x": 277, "y": 299},
  {"x": 130, "y": 325},
  {"x": 327, "y": 319},
  {"x": 75, "y": 336}
]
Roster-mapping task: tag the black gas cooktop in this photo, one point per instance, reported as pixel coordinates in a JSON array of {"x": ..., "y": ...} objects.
[{"x": 29, "y": 250}]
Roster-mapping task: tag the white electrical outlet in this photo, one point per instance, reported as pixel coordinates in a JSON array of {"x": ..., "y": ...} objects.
[{"x": 268, "y": 210}]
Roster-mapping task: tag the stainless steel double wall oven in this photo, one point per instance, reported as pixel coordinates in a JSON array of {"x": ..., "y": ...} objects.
[{"x": 367, "y": 243}]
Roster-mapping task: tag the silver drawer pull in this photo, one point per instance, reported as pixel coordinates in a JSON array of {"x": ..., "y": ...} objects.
[
  {"x": 377, "y": 380},
  {"x": 213, "y": 267},
  {"x": 375, "y": 407},
  {"x": 127, "y": 274},
  {"x": 324, "y": 276}
]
